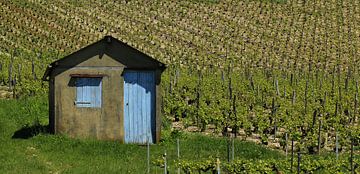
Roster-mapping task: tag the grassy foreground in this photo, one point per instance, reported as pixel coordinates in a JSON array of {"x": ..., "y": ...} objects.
[{"x": 44, "y": 153}]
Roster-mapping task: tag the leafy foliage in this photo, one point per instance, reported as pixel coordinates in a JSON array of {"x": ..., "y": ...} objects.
[{"x": 263, "y": 65}]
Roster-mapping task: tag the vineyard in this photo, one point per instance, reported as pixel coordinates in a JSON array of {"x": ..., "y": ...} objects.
[{"x": 285, "y": 70}]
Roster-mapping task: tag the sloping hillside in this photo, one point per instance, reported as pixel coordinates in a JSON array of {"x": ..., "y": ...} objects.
[
  {"x": 264, "y": 32},
  {"x": 285, "y": 70}
]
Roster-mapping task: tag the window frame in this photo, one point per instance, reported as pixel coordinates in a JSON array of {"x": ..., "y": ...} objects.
[{"x": 92, "y": 103}]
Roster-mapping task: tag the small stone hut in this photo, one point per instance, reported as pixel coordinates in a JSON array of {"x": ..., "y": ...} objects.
[{"x": 107, "y": 90}]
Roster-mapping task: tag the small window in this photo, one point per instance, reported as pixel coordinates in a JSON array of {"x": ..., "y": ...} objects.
[{"x": 88, "y": 92}]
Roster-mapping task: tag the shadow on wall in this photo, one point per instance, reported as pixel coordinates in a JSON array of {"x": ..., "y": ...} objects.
[{"x": 29, "y": 131}]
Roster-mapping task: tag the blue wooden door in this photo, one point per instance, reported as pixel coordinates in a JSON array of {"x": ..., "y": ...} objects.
[{"x": 139, "y": 106}]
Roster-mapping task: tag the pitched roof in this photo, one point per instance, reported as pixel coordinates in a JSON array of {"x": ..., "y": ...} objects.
[{"x": 120, "y": 51}]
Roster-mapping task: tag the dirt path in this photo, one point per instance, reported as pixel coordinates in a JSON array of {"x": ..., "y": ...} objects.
[
  {"x": 5, "y": 93},
  {"x": 272, "y": 143}
]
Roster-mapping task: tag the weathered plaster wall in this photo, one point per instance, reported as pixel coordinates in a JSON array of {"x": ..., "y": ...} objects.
[{"x": 100, "y": 123}]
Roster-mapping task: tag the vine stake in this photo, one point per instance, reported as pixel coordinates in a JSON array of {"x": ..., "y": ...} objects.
[
  {"x": 165, "y": 164},
  {"x": 299, "y": 160},
  {"x": 178, "y": 152}
]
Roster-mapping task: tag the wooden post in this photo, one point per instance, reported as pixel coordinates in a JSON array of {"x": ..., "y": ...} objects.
[
  {"x": 316, "y": 77},
  {"x": 11, "y": 69},
  {"x": 324, "y": 101},
  {"x": 200, "y": 122},
  {"x": 337, "y": 145},
  {"x": 19, "y": 73},
  {"x": 178, "y": 153},
  {"x": 319, "y": 136},
  {"x": 252, "y": 83},
  {"x": 339, "y": 75},
  {"x": 165, "y": 164},
  {"x": 170, "y": 84},
  {"x": 233, "y": 150},
  {"x": 333, "y": 81},
  {"x": 286, "y": 145},
  {"x": 273, "y": 114},
  {"x": 306, "y": 94},
  {"x": 222, "y": 76},
  {"x": 357, "y": 87},
  {"x": 1, "y": 75},
  {"x": 14, "y": 86},
  {"x": 292, "y": 155},
  {"x": 218, "y": 165},
  {"x": 354, "y": 119},
  {"x": 277, "y": 87},
  {"x": 177, "y": 76},
  {"x": 228, "y": 148},
  {"x": 235, "y": 116},
  {"x": 230, "y": 88},
  {"x": 340, "y": 94},
  {"x": 299, "y": 160},
  {"x": 148, "y": 155},
  {"x": 356, "y": 105},
  {"x": 336, "y": 133},
  {"x": 33, "y": 69},
  {"x": 347, "y": 79},
  {"x": 293, "y": 97},
  {"x": 352, "y": 156}
]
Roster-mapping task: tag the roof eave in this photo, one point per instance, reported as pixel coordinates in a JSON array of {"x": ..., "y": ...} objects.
[{"x": 47, "y": 73}]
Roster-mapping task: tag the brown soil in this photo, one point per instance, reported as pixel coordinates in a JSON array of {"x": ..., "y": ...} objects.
[
  {"x": 5, "y": 93},
  {"x": 210, "y": 130}
]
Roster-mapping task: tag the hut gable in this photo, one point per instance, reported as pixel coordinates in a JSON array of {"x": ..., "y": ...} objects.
[
  {"x": 107, "y": 90},
  {"x": 108, "y": 47}
]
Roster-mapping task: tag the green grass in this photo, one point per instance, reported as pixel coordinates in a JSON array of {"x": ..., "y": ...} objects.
[{"x": 46, "y": 153}]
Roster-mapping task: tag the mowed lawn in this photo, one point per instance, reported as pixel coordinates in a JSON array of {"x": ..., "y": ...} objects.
[{"x": 21, "y": 152}]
